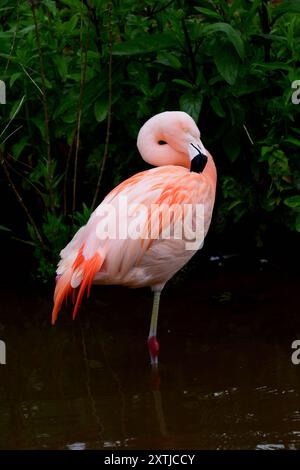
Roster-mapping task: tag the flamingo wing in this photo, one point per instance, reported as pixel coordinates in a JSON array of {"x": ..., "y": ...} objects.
[{"x": 92, "y": 256}]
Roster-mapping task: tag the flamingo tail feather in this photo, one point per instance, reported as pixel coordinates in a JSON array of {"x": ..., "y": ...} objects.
[{"x": 63, "y": 289}]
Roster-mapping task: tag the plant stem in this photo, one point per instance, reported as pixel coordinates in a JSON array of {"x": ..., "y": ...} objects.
[
  {"x": 108, "y": 124},
  {"x": 95, "y": 21},
  {"x": 79, "y": 111},
  {"x": 67, "y": 171},
  {"x": 266, "y": 29},
  {"x": 45, "y": 106},
  {"x": 20, "y": 200},
  {"x": 190, "y": 50},
  {"x": 14, "y": 38}
]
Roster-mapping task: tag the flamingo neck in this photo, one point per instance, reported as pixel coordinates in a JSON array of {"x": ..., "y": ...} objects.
[{"x": 155, "y": 153}]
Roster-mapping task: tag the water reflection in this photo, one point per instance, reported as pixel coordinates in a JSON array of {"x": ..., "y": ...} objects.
[
  {"x": 77, "y": 446},
  {"x": 226, "y": 379}
]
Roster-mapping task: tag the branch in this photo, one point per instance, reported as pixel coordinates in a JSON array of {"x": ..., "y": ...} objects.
[
  {"x": 79, "y": 111},
  {"x": 266, "y": 29},
  {"x": 190, "y": 48},
  {"x": 108, "y": 125},
  {"x": 45, "y": 106},
  {"x": 94, "y": 20},
  {"x": 14, "y": 39},
  {"x": 20, "y": 200}
]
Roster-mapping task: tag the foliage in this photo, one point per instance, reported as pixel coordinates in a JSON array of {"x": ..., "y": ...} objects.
[{"x": 82, "y": 76}]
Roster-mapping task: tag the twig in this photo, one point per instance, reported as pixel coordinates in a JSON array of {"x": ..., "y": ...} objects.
[
  {"x": 20, "y": 162},
  {"x": 266, "y": 28},
  {"x": 77, "y": 128},
  {"x": 95, "y": 21},
  {"x": 12, "y": 133},
  {"x": 14, "y": 39},
  {"x": 13, "y": 117},
  {"x": 108, "y": 125},
  {"x": 67, "y": 171},
  {"x": 24, "y": 177},
  {"x": 45, "y": 106},
  {"x": 79, "y": 111},
  {"x": 26, "y": 242},
  {"x": 248, "y": 135},
  {"x": 190, "y": 50},
  {"x": 35, "y": 84},
  {"x": 20, "y": 200}
]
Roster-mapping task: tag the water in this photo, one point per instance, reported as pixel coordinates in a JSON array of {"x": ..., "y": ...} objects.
[{"x": 226, "y": 377}]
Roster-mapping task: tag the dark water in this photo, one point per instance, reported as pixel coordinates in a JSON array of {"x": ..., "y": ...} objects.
[{"x": 226, "y": 376}]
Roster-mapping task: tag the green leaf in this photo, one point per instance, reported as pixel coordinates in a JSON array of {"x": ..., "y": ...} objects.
[
  {"x": 191, "y": 103},
  {"x": 16, "y": 108},
  {"x": 289, "y": 6},
  {"x": 68, "y": 103},
  {"x": 227, "y": 62},
  {"x": 39, "y": 122},
  {"x": 50, "y": 4},
  {"x": 217, "y": 107},
  {"x": 169, "y": 59},
  {"x": 101, "y": 108},
  {"x": 232, "y": 34},
  {"x": 26, "y": 30},
  {"x": 209, "y": 13},
  {"x": 183, "y": 83},
  {"x": 293, "y": 141},
  {"x": 19, "y": 146},
  {"x": 71, "y": 25},
  {"x": 4, "y": 229},
  {"x": 277, "y": 66},
  {"x": 234, "y": 204},
  {"x": 70, "y": 116},
  {"x": 264, "y": 152},
  {"x": 62, "y": 66},
  {"x": 293, "y": 202},
  {"x": 159, "y": 89},
  {"x": 14, "y": 77},
  {"x": 145, "y": 43}
]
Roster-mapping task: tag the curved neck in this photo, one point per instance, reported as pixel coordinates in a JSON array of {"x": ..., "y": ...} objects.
[{"x": 154, "y": 153}]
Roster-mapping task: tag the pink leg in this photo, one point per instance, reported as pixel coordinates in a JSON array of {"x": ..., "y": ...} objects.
[{"x": 152, "y": 341}]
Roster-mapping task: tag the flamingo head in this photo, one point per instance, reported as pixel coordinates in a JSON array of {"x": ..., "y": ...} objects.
[{"x": 172, "y": 138}]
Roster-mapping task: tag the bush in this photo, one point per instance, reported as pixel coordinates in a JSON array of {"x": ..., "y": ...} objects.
[{"x": 83, "y": 76}]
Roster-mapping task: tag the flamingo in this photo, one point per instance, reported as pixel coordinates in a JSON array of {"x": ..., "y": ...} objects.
[{"x": 184, "y": 175}]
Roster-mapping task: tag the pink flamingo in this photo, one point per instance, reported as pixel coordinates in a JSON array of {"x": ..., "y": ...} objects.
[{"x": 185, "y": 176}]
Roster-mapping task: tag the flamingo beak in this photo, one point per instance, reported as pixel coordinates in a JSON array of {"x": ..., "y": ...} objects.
[{"x": 198, "y": 156}]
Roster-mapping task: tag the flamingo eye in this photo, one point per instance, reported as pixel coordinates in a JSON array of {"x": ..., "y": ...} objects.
[{"x": 162, "y": 142}]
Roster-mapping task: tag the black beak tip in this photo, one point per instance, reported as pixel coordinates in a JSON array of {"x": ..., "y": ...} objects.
[{"x": 198, "y": 163}]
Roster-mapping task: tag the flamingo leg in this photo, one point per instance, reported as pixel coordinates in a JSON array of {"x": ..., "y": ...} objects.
[{"x": 152, "y": 341}]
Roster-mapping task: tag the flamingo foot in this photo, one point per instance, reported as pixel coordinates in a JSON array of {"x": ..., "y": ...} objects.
[{"x": 153, "y": 347}]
